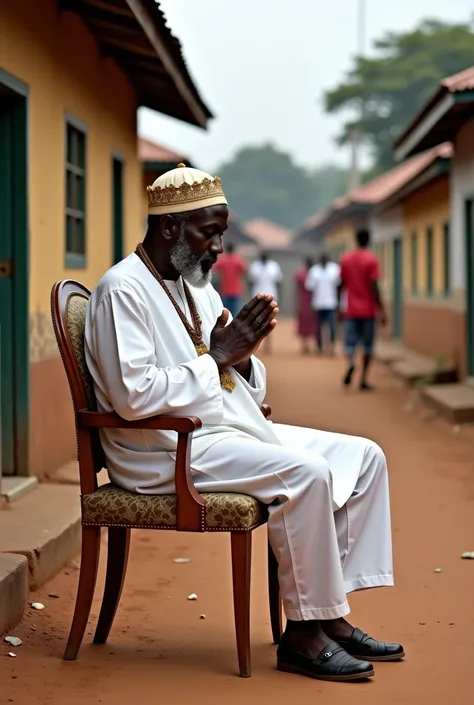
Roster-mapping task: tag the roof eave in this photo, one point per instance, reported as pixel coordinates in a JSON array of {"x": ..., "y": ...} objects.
[
  {"x": 416, "y": 138},
  {"x": 200, "y": 112},
  {"x": 407, "y": 144},
  {"x": 440, "y": 167},
  {"x": 134, "y": 34}
]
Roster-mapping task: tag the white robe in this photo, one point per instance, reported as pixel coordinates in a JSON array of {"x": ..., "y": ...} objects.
[{"x": 329, "y": 516}]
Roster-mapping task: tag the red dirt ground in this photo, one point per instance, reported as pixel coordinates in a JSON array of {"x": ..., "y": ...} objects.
[{"x": 161, "y": 651}]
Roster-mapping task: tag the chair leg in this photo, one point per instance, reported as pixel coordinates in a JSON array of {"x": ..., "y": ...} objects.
[
  {"x": 274, "y": 596},
  {"x": 85, "y": 592},
  {"x": 117, "y": 559},
  {"x": 241, "y": 544}
]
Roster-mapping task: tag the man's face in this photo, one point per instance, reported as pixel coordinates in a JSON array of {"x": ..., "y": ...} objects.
[{"x": 199, "y": 244}]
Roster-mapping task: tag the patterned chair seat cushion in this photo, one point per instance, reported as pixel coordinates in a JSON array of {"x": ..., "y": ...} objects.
[{"x": 111, "y": 505}]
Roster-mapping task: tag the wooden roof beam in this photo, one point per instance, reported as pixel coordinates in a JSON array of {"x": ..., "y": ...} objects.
[{"x": 148, "y": 26}]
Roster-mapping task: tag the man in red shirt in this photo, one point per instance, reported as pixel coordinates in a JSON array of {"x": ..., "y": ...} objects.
[
  {"x": 360, "y": 273},
  {"x": 231, "y": 270}
]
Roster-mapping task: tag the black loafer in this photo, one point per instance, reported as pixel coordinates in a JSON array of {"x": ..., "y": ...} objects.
[
  {"x": 332, "y": 664},
  {"x": 363, "y": 647}
]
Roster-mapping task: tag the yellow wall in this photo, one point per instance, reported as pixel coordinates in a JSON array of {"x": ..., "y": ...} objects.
[
  {"x": 384, "y": 251},
  {"x": 339, "y": 237},
  {"x": 428, "y": 207},
  {"x": 57, "y": 57}
]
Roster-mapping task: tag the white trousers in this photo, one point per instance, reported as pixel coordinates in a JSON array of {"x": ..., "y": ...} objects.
[{"x": 324, "y": 549}]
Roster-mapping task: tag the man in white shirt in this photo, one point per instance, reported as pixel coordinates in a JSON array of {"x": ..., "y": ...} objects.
[
  {"x": 157, "y": 341},
  {"x": 323, "y": 281},
  {"x": 265, "y": 275}
]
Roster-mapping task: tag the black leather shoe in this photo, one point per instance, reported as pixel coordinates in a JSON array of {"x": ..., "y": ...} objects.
[
  {"x": 363, "y": 647},
  {"x": 332, "y": 664}
]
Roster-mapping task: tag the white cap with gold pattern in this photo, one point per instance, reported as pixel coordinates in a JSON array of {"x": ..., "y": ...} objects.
[{"x": 184, "y": 189}]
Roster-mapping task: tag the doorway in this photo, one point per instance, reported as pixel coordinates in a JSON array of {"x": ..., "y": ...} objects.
[
  {"x": 397, "y": 302},
  {"x": 469, "y": 239},
  {"x": 117, "y": 209},
  {"x": 14, "y": 348}
]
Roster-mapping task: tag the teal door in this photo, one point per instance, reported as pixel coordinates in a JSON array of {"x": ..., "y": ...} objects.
[
  {"x": 397, "y": 301},
  {"x": 14, "y": 358},
  {"x": 469, "y": 235},
  {"x": 117, "y": 209}
]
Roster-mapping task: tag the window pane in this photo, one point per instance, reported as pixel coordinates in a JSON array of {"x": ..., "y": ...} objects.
[
  {"x": 69, "y": 131},
  {"x": 75, "y": 191},
  {"x": 81, "y": 150},
  {"x": 69, "y": 233},
  {"x": 80, "y": 195},
  {"x": 70, "y": 190},
  {"x": 74, "y": 150},
  {"x": 80, "y": 239}
]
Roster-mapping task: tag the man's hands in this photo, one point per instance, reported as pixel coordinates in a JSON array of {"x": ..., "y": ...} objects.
[{"x": 235, "y": 343}]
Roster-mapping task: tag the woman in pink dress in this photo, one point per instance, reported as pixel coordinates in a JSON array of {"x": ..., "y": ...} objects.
[{"x": 305, "y": 316}]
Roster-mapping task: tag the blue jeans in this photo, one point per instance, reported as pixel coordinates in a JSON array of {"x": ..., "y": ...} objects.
[
  {"x": 232, "y": 303},
  {"x": 359, "y": 331},
  {"x": 326, "y": 317}
]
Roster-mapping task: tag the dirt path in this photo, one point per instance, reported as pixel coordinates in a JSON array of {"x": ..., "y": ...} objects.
[{"x": 161, "y": 651}]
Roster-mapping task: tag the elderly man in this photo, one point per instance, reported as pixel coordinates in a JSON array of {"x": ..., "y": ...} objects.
[{"x": 159, "y": 341}]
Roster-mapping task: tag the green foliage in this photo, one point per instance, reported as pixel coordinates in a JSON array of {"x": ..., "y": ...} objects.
[
  {"x": 265, "y": 182},
  {"x": 393, "y": 85}
]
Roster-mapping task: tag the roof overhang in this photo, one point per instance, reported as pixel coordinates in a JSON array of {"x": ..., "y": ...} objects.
[
  {"x": 437, "y": 170},
  {"x": 135, "y": 35},
  {"x": 333, "y": 216},
  {"x": 351, "y": 211},
  {"x": 438, "y": 122}
]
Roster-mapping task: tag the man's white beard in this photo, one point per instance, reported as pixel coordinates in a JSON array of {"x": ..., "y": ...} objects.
[{"x": 189, "y": 265}]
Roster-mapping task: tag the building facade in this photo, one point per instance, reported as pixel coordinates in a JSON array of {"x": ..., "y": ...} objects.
[
  {"x": 449, "y": 115},
  {"x": 71, "y": 201}
]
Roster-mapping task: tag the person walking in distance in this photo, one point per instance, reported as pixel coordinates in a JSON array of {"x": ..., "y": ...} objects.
[
  {"x": 323, "y": 281},
  {"x": 306, "y": 320},
  {"x": 360, "y": 274},
  {"x": 231, "y": 269},
  {"x": 265, "y": 275}
]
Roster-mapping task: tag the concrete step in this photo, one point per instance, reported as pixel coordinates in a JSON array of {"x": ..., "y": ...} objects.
[
  {"x": 13, "y": 590},
  {"x": 454, "y": 401},
  {"x": 414, "y": 369},
  {"x": 44, "y": 527},
  {"x": 388, "y": 351}
]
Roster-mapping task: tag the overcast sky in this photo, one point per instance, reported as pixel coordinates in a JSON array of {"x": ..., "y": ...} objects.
[{"x": 262, "y": 66}]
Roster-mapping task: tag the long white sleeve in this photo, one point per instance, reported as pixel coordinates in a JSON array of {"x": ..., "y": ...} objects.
[
  {"x": 257, "y": 384},
  {"x": 119, "y": 343}
]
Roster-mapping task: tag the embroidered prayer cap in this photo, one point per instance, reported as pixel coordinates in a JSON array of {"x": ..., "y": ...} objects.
[{"x": 184, "y": 189}]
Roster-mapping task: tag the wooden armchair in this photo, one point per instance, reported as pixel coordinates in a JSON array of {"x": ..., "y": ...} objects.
[{"x": 120, "y": 511}]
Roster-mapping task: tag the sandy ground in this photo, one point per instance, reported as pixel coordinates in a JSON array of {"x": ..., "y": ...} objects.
[{"x": 161, "y": 651}]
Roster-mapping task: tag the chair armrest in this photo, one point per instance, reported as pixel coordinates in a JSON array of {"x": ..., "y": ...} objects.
[
  {"x": 190, "y": 506},
  {"x": 100, "y": 419},
  {"x": 190, "y": 514}
]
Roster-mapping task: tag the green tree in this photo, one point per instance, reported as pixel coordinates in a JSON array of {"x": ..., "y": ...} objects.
[
  {"x": 330, "y": 182},
  {"x": 265, "y": 182},
  {"x": 393, "y": 85}
]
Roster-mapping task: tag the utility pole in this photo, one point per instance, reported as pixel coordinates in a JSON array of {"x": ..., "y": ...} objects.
[{"x": 355, "y": 138}]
